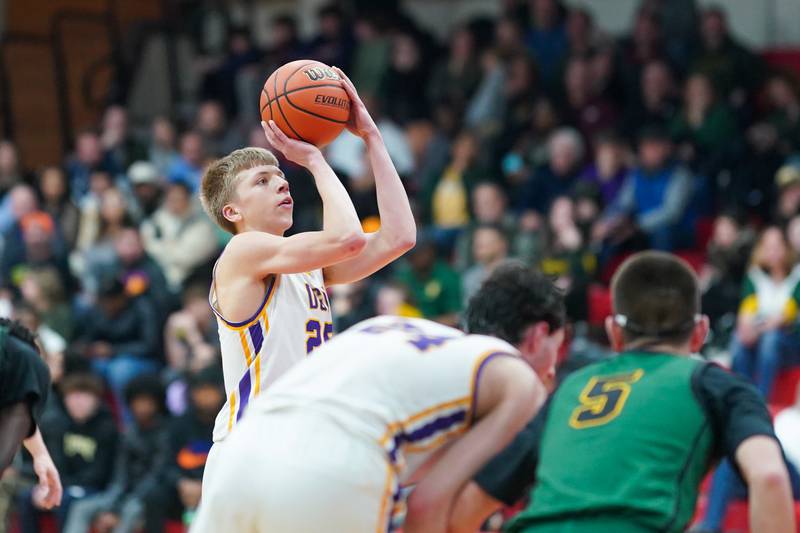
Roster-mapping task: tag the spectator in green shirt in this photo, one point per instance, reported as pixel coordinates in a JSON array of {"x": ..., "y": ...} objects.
[{"x": 434, "y": 287}]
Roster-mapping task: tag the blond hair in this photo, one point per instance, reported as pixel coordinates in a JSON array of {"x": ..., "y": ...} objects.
[
  {"x": 757, "y": 259},
  {"x": 221, "y": 178}
]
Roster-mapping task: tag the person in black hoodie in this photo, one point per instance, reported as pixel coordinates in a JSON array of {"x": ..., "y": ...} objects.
[
  {"x": 83, "y": 443},
  {"x": 143, "y": 454},
  {"x": 190, "y": 438},
  {"x": 120, "y": 335}
]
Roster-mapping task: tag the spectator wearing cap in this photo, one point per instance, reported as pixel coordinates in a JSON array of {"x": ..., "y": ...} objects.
[
  {"x": 188, "y": 168},
  {"x": 146, "y": 182},
  {"x": 82, "y": 440},
  {"x": 787, "y": 181},
  {"x": 40, "y": 246},
  {"x": 120, "y": 335},
  {"x": 654, "y": 201},
  {"x": 179, "y": 236},
  {"x": 142, "y": 458}
]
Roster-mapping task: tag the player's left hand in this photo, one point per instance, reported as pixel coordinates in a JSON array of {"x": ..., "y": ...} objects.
[
  {"x": 360, "y": 122},
  {"x": 47, "y": 493}
]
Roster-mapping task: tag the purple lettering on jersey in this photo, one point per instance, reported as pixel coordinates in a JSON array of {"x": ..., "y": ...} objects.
[
  {"x": 257, "y": 336},
  {"x": 244, "y": 394},
  {"x": 320, "y": 297},
  {"x": 313, "y": 302}
]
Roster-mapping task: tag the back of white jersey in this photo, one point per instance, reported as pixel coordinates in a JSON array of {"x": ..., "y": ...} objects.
[
  {"x": 407, "y": 384},
  {"x": 293, "y": 320}
]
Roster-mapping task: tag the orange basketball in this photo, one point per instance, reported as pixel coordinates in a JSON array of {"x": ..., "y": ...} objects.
[{"x": 306, "y": 100}]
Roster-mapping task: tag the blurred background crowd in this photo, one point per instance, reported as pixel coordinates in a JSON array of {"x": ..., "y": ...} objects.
[{"x": 533, "y": 134}]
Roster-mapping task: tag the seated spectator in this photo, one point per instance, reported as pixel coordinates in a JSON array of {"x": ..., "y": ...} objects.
[
  {"x": 768, "y": 311},
  {"x": 56, "y": 202},
  {"x": 53, "y": 345},
  {"x": 489, "y": 248},
  {"x": 219, "y": 138},
  {"x": 456, "y": 77},
  {"x": 566, "y": 257},
  {"x": 140, "y": 273},
  {"x": 179, "y": 236},
  {"x": 434, "y": 287},
  {"x": 190, "y": 338},
  {"x": 143, "y": 455},
  {"x": 162, "y": 152},
  {"x": 793, "y": 234},
  {"x": 585, "y": 106},
  {"x": 88, "y": 158},
  {"x": 787, "y": 181},
  {"x": 99, "y": 182},
  {"x": 19, "y": 201},
  {"x": 610, "y": 167},
  {"x": 704, "y": 128},
  {"x": 43, "y": 290},
  {"x": 335, "y": 43},
  {"x": 558, "y": 176},
  {"x": 190, "y": 442},
  {"x": 10, "y": 170},
  {"x": 734, "y": 69},
  {"x": 657, "y": 102},
  {"x": 120, "y": 336},
  {"x": 118, "y": 142},
  {"x": 83, "y": 442},
  {"x": 147, "y": 186},
  {"x": 654, "y": 200},
  {"x": 490, "y": 206},
  {"x": 402, "y": 90},
  {"x": 221, "y": 74},
  {"x": 393, "y": 299},
  {"x": 188, "y": 168},
  {"x": 95, "y": 258},
  {"x": 446, "y": 195},
  {"x": 722, "y": 276},
  {"x": 643, "y": 45},
  {"x": 784, "y": 114},
  {"x": 191, "y": 343},
  {"x": 39, "y": 247},
  {"x": 547, "y": 37}
]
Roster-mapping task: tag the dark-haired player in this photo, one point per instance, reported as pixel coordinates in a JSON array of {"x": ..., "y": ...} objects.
[
  {"x": 624, "y": 443},
  {"x": 391, "y": 400},
  {"x": 24, "y": 386}
]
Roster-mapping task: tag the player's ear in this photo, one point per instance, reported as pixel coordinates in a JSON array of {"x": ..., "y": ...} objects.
[
  {"x": 699, "y": 334},
  {"x": 614, "y": 333},
  {"x": 231, "y": 213}
]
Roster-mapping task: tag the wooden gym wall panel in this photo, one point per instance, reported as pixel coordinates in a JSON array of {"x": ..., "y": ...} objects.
[
  {"x": 34, "y": 112},
  {"x": 86, "y": 47},
  {"x": 34, "y": 17}
]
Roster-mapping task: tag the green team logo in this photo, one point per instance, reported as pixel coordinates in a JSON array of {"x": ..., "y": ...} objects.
[{"x": 602, "y": 399}]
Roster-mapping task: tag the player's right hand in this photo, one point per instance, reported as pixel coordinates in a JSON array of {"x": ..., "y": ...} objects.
[{"x": 299, "y": 152}]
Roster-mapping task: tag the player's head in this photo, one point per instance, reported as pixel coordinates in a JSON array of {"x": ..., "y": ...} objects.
[
  {"x": 521, "y": 305},
  {"x": 245, "y": 190},
  {"x": 656, "y": 305}
]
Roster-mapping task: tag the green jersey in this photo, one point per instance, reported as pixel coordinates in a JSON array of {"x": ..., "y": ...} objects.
[{"x": 623, "y": 445}]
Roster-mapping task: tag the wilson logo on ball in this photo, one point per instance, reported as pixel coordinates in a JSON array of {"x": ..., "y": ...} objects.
[{"x": 317, "y": 73}]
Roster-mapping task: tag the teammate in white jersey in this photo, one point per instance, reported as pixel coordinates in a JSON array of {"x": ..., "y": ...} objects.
[
  {"x": 391, "y": 401},
  {"x": 268, "y": 290}
]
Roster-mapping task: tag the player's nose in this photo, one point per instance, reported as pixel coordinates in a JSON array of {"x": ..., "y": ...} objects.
[{"x": 283, "y": 185}]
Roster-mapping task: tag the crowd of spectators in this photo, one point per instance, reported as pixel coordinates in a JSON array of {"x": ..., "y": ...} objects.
[{"x": 535, "y": 135}]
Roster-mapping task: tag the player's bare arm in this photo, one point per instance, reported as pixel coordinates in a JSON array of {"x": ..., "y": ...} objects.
[
  {"x": 771, "y": 507},
  {"x": 509, "y": 394},
  {"x": 397, "y": 233},
  {"x": 251, "y": 256},
  {"x": 472, "y": 508}
]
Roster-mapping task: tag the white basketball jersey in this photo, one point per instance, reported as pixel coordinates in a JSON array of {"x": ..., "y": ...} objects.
[
  {"x": 409, "y": 385},
  {"x": 293, "y": 320}
]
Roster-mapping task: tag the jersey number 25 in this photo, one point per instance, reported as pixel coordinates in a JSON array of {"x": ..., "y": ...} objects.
[{"x": 316, "y": 333}]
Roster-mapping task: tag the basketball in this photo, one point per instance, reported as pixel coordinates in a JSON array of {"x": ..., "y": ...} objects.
[{"x": 306, "y": 100}]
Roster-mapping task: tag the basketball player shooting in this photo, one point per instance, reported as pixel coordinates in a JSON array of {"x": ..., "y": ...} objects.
[{"x": 268, "y": 291}]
